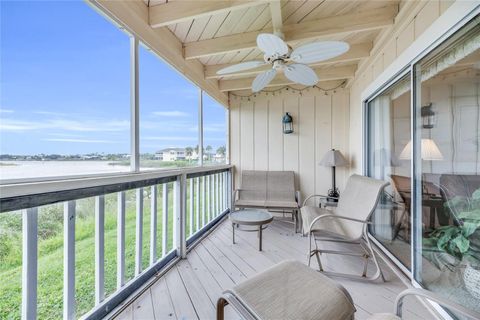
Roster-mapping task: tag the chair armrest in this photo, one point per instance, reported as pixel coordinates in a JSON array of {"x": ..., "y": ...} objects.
[
  {"x": 316, "y": 196},
  {"x": 234, "y": 194},
  {"x": 330, "y": 215},
  {"x": 435, "y": 298},
  {"x": 297, "y": 196}
]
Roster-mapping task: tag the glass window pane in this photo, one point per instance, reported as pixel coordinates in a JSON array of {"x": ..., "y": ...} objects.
[
  {"x": 65, "y": 83},
  {"x": 388, "y": 132},
  {"x": 168, "y": 115},
  {"x": 214, "y": 131},
  {"x": 448, "y": 122}
]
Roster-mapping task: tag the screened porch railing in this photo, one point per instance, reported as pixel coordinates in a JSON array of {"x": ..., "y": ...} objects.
[{"x": 171, "y": 209}]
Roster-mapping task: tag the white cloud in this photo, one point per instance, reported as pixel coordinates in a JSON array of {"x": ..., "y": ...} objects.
[
  {"x": 170, "y": 113},
  {"x": 80, "y": 140},
  {"x": 65, "y": 124},
  {"x": 50, "y": 113},
  {"x": 6, "y": 111}
]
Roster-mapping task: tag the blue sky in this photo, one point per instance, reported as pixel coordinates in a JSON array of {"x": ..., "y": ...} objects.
[{"x": 65, "y": 86}]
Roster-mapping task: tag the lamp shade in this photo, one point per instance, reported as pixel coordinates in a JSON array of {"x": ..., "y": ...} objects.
[
  {"x": 430, "y": 151},
  {"x": 333, "y": 158}
]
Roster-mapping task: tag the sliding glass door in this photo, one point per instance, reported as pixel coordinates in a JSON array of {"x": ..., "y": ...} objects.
[
  {"x": 447, "y": 154},
  {"x": 423, "y": 136},
  {"x": 389, "y": 119}
]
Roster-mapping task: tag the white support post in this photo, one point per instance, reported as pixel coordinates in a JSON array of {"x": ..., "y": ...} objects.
[
  {"x": 230, "y": 189},
  {"x": 225, "y": 188},
  {"x": 213, "y": 204},
  {"x": 165, "y": 220},
  {"x": 29, "y": 263},
  {"x": 153, "y": 225},
  {"x": 222, "y": 191},
  {"x": 200, "y": 127},
  {"x": 197, "y": 207},
  {"x": 207, "y": 195},
  {"x": 205, "y": 199},
  {"x": 192, "y": 201},
  {"x": 120, "y": 239},
  {"x": 99, "y": 249},
  {"x": 179, "y": 216},
  {"x": 139, "y": 231},
  {"x": 217, "y": 194},
  {"x": 69, "y": 260},
  {"x": 134, "y": 107}
]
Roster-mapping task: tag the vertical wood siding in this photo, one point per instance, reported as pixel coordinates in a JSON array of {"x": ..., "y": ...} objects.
[{"x": 320, "y": 123}]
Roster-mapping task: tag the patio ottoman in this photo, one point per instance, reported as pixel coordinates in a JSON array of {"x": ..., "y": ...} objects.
[{"x": 289, "y": 290}]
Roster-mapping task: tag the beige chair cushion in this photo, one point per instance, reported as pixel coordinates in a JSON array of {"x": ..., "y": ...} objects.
[
  {"x": 332, "y": 225},
  {"x": 291, "y": 290},
  {"x": 281, "y": 204},
  {"x": 383, "y": 316},
  {"x": 254, "y": 185},
  {"x": 250, "y": 203},
  {"x": 280, "y": 186},
  {"x": 357, "y": 201}
]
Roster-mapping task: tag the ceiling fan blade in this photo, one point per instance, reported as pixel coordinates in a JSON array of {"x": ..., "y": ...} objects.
[
  {"x": 300, "y": 73},
  {"x": 271, "y": 44},
  {"x": 319, "y": 51},
  {"x": 263, "y": 79},
  {"x": 241, "y": 67}
]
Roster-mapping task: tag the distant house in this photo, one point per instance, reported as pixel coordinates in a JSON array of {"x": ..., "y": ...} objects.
[{"x": 170, "y": 154}]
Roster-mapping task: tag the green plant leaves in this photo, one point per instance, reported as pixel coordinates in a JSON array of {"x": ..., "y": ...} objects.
[
  {"x": 476, "y": 194},
  {"x": 462, "y": 243}
]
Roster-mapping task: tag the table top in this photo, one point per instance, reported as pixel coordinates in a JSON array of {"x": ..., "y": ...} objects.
[{"x": 251, "y": 217}]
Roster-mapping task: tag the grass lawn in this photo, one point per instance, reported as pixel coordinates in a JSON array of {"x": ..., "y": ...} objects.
[{"x": 50, "y": 255}]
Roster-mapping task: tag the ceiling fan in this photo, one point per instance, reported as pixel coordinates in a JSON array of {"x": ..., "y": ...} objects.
[{"x": 292, "y": 62}]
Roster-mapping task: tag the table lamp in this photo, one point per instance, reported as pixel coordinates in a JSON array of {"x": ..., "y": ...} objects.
[{"x": 333, "y": 158}]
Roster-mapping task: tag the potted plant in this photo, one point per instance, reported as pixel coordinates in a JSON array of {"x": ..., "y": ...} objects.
[{"x": 462, "y": 240}]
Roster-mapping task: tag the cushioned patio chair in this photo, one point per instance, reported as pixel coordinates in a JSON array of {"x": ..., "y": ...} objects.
[
  {"x": 347, "y": 224},
  {"x": 447, "y": 303},
  {"x": 288, "y": 290}
]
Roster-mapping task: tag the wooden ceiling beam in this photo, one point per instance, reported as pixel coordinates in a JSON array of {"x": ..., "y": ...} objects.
[
  {"x": 276, "y": 13},
  {"x": 336, "y": 73},
  {"x": 180, "y": 11},
  {"x": 356, "y": 52},
  {"x": 317, "y": 29}
]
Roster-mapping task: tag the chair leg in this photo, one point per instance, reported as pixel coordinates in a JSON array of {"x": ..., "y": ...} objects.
[
  {"x": 378, "y": 272},
  {"x": 310, "y": 249},
  {"x": 320, "y": 266},
  {"x": 221, "y": 303},
  {"x": 317, "y": 253}
]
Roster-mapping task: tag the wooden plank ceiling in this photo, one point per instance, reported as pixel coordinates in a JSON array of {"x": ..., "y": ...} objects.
[{"x": 221, "y": 33}]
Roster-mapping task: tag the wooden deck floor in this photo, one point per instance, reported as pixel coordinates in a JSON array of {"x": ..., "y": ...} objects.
[{"x": 191, "y": 288}]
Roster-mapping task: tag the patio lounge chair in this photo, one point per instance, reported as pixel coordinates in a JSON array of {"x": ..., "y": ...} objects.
[
  {"x": 347, "y": 224},
  {"x": 288, "y": 290},
  {"x": 447, "y": 303}
]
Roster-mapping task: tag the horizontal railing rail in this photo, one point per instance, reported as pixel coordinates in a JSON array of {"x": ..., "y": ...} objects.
[{"x": 191, "y": 200}]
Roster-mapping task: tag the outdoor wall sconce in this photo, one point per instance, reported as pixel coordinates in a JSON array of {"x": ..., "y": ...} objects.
[
  {"x": 287, "y": 122},
  {"x": 428, "y": 117}
]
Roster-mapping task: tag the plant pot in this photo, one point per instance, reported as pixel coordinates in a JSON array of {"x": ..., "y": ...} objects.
[{"x": 471, "y": 278}]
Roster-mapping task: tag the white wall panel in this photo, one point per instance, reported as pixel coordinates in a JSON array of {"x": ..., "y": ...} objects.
[{"x": 257, "y": 128}]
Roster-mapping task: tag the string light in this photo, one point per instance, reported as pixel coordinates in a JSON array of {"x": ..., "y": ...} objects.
[{"x": 289, "y": 89}]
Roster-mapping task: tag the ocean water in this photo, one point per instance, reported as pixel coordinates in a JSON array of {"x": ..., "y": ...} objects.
[{"x": 42, "y": 169}]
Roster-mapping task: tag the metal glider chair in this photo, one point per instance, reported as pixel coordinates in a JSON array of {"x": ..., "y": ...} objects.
[
  {"x": 444, "y": 302},
  {"x": 347, "y": 224}
]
